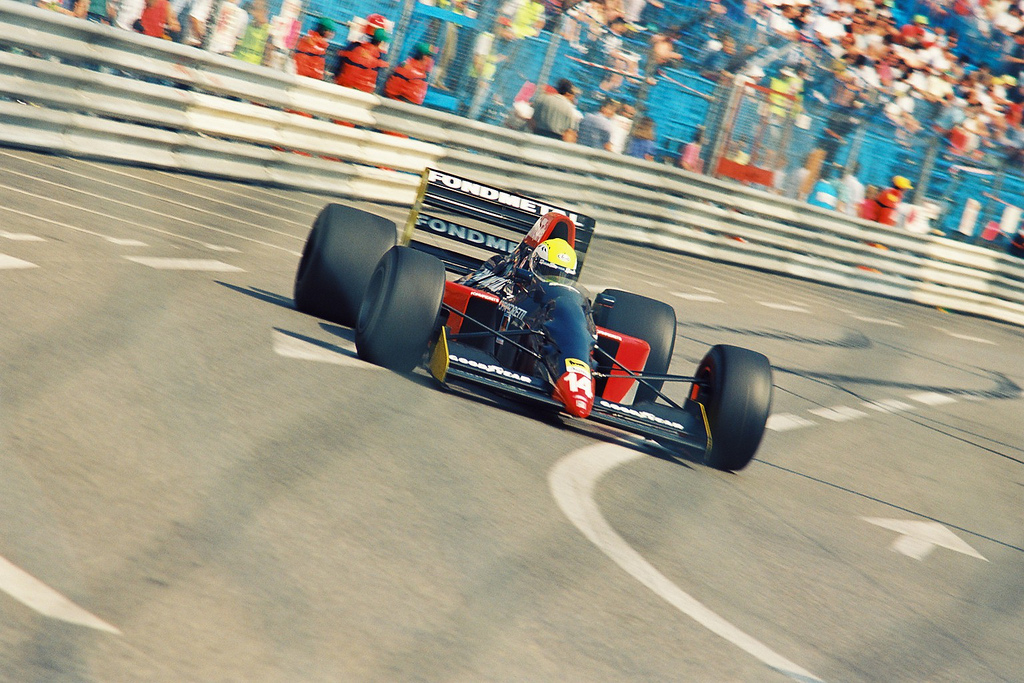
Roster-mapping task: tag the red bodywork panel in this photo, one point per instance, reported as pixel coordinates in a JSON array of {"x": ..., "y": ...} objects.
[
  {"x": 458, "y": 297},
  {"x": 630, "y": 352}
]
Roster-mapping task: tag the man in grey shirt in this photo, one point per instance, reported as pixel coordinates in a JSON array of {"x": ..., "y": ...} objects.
[
  {"x": 554, "y": 114},
  {"x": 597, "y": 128}
]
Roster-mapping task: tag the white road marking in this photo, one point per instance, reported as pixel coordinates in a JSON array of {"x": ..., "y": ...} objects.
[
  {"x": 918, "y": 538},
  {"x": 783, "y": 422},
  {"x": 9, "y": 262},
  {"x": 293, "y": 347},
  {"x": 838, "y": 413},
  {"x": 888, "y": 405},
  {"x": 932, "y": 398},
  {"x": 33, "y": 593},
  {"x": 703, "y": 289},
  {"x": 698, "y": 297},
  {"x": 784, "y": 307},
  {"x": 878, "y": 321},
  {"x": 185, "y": 264},
  {"x": 966, "y": 337},
  {"x": 572, "y": 482},
  {"x": 139, "y": 209},
  {"x": 126, "y": 242},
  {"x": 21, "y": 237},
  {"x": 222, "y": 248}
]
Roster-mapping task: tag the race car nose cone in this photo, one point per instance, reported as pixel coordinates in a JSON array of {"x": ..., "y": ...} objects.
[{"x": 576, "y": 392}]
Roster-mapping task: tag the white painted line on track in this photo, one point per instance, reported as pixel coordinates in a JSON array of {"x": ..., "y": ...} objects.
[
  {"x": 109, "y": 170},
  {"x": 126, "y": 242},
  {"x": 838, "y": 413},
  {"x": 698, "y": 297},
  {"x": 11, "y": 263},
  {"x": 136, "y": 208},
  {"x": 784, "y": 422},
  {"x": 185, "y": 264},
  {"x": 966, "y": 337},
  {"x": 784, "y": 307},
  {"x": 888, "y": 405},
  {"x": 932, "y": 398},
  {"x": 877, "y": 321},
  {"x": 21, "y": 237},
  {"x": 33, "y": 593},
  {"x": 572, "y": 482},
  {"x": 292, "y": 347}
]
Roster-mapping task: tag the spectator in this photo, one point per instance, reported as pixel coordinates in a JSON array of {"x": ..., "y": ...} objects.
[
  {"x": 228, "y": 28},
  {"x": 689, "y": 156},
  {"x": 850, "y": 191},
  {"x": 156, "y": 19},
  {"x": 409, "y": 81},
  {"x": 622, "y": 123},
  {"x": 361, "y": 60},
  {"x": 555, "y": 115},
  {"x": 311, "y": 50},
  {"x": 253, "y": 45},
  {"x": 888, "y": 200},
  {"x": 128, "y": 14},
  {"x": 98, "y": 11},
  {"x": 642, "y": 145},
  {"x": 868, "y": 209},
  {"x": 284, "y": 36},
  {"x": 824, "y": 194},
  {"x": 596, "y": 127}
]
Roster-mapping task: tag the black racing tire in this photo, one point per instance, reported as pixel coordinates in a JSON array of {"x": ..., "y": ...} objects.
[
  {"x": 341, "y": 252},
  {"x": 645, "y": 318},
  {"x": 737, "y": 398},
  {"x": 399, "y": 312}
]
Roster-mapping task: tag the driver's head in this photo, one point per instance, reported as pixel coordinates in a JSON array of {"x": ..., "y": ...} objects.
[{"x": 553, "y": 261}]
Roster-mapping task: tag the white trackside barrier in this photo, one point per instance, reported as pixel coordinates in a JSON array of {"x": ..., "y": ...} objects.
[{"x": 74, "y": 87}]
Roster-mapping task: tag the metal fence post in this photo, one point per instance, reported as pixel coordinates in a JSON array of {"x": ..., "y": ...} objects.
[
  {"x": 927, "y": 167},
  {"x": 725, "y": 123},
  {"x": 550, "y": 54}
]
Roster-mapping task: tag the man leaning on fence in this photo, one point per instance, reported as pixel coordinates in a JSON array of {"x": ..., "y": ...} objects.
[{"x": 554, "y": 113}]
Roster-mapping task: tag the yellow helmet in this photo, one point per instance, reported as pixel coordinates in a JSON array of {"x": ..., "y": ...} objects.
[
  {"x": 554, "y": 261},
  {"x": 902, "y": 183}
]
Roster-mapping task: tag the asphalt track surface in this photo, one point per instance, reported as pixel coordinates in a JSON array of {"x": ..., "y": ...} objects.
[{"x": 202, "y": 484}]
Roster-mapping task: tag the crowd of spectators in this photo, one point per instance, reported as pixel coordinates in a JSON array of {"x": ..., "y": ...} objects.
[{"x": 913, "y": 71}]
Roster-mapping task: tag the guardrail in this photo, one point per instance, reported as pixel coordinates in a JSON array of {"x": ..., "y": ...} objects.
[{"x": 79, "y": 88}]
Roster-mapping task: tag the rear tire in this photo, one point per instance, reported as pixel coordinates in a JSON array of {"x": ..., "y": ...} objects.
[
  {"x": 341, "y": 252},
  {"x": 737, "y": 399},
  {"x": 400, "y": 309},
  {"x": 645, "y": 318}
]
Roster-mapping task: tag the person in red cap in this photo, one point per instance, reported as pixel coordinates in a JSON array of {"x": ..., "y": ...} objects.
[
  {"x": 361, "y": 61},
  {"x": 409, "y": 81},
  {"x": 888, "y": 200},
  {"x": 311, "y": 50}
]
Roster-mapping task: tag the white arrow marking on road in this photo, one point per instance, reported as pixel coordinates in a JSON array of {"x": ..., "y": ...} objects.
[
  {"x": 572, "y": 483},
  {"x": 293, "y": 347},
  {"x": 918, "y": 538},
  {"x": 32, "y": 592}
]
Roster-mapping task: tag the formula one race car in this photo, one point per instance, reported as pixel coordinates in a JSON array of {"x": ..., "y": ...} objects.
[{"x": 501, "y": 308}]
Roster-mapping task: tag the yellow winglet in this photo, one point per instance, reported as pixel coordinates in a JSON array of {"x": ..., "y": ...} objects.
[
  {"x": 439, "y": 357},
  {"x": 707, "y": 428}
]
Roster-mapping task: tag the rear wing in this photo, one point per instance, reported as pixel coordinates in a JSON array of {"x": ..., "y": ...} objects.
[{"x": 464, "y": 223}]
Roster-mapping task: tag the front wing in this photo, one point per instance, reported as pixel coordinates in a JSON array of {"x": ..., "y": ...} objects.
[{"x": 686, "y": 428}]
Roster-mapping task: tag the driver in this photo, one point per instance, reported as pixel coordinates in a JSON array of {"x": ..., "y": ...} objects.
[{"x": 553, "y": 261}]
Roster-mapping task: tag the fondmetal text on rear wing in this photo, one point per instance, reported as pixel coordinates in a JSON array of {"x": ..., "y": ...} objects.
[{"x": 464, "y": 222}]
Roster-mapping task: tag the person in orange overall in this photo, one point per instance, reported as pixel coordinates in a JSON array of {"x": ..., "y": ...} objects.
[
  {"x": 409, "y": 81},
  {"x": 889, "y": 199},
  {"x": 311, "y": 50},
  {"x": 361, "y": 61}
]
